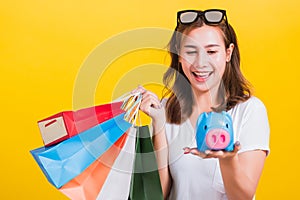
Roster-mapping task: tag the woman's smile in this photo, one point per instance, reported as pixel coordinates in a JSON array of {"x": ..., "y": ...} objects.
[{"x": 202, "y": 76}]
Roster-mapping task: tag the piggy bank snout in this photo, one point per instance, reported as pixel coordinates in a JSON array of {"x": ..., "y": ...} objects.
[{"x": 217, "y": 139}]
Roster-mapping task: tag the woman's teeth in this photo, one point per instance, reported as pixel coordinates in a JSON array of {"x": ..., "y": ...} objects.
[{"x": 202, "y": 74}]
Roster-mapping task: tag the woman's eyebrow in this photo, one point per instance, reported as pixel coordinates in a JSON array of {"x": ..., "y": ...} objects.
[
  {"x": 212, "y": 45},
  {"x": 190, "y": 46},
  {"x": 195, "y": 47}
]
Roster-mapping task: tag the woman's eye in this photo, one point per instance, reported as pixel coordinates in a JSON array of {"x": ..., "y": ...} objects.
[
  {"x": 211, "y": 52},
  {"x": 191, "y": 52}
]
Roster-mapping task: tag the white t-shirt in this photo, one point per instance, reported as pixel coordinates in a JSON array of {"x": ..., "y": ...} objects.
[{"x": 197, "y": 178}]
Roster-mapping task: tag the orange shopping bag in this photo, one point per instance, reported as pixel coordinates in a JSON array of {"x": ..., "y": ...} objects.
[{"x": 88, "y": 184}]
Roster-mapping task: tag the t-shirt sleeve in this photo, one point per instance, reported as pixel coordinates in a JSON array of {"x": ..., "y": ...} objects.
[{"x": 255, "y": 130}]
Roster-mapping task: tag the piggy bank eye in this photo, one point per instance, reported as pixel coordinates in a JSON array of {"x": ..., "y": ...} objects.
[
  {"x": 205, "y": 127},
  {"x": 227, "y": 126}
]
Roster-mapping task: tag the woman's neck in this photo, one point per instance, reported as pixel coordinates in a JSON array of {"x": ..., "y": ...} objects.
[{"x": 204, "y": 100}]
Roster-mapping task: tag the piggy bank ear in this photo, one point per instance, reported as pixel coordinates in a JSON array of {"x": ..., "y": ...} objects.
[
  {"x": 227, "y": 116},
  {"x": 228, "y": 120},
  {"x": 201, "y": 117}
]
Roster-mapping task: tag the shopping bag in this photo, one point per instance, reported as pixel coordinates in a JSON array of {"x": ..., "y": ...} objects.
[
  {"x": 67, "y": 124},
  {"x": 111, "y": 180},
  {"x": 145, "y": 181},
  {"x": 117, "y": 183},
  {"x": 136, "y": 176},
  {"x": 88, "y": 184},
  {"x": 73, "y": 165},
  {"x": 66, "y": 160}
]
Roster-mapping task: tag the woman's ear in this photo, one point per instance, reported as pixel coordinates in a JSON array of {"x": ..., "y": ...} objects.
[{"x": 229, "y": 51}]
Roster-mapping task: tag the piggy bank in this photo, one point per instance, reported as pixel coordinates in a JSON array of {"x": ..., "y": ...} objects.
[{"x": 214, "y": 131}]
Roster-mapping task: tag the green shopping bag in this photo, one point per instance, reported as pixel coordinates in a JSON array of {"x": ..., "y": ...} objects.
[{"x": 145, "y": 182}]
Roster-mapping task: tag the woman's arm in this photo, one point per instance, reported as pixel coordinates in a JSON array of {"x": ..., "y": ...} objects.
[
  {"x": 160, "y": 146},
  {"x": 241, "y": 173}
]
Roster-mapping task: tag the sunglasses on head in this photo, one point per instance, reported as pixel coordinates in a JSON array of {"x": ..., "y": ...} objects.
[{"x": 211, "y": 16}]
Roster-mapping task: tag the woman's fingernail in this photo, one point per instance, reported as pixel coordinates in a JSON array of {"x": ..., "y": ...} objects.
[
  {"x": 207, "y": 152},
  {"x": 237, "y": 143},
  {"x": 185, "y": 150}
]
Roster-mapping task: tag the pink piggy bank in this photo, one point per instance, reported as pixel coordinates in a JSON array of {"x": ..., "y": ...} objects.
[{"x": 214, "y": 131}]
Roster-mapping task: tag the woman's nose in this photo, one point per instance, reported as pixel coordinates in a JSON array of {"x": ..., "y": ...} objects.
[{"x": 202, "y": 59}]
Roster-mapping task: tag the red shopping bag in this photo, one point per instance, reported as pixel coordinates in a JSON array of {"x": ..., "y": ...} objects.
[
  {"x": 88, "y": 184},
  {"x": 64, "y": 125}
]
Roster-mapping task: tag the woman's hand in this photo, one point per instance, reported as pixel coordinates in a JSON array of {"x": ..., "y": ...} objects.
[
  {"x": 152, "y": 106},
  {"x": 214, "y": 154}
]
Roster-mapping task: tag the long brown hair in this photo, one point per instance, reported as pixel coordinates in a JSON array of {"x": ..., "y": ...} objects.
[{"x": 177, "y": 86}]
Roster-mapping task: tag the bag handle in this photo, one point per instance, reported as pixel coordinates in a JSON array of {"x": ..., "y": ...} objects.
[{"x": 131, "y": 104}]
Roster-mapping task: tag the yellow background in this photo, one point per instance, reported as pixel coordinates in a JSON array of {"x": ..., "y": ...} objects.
[{"x": 44, "y": 43}]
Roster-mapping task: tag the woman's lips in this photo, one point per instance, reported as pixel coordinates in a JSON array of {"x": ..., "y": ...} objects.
[{"x": 201, "y": 76}]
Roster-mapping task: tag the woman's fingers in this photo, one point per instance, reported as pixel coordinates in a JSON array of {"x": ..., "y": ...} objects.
[
  {"x": 212, "y": 153},
  {"x": 151, "y": 99},
  {"x": 186, "y": 150},
  {"x": 150, "y": 104},
  {"x": 140, "y": 89},
  {"x": 237, "y": 147},
  {"x": 194, "y": 151}
]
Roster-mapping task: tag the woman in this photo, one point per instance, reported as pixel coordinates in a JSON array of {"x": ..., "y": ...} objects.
[{"x": 205, "y": 76}]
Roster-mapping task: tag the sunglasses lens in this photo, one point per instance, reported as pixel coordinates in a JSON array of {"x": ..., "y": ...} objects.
[
  {"x": 213, "y": 16},
  {"x": 188, "y": 17}
]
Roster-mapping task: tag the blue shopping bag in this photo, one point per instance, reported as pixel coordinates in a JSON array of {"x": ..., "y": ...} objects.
[{"x": 66, "y": 160}]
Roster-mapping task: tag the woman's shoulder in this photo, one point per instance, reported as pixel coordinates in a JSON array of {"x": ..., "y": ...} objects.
[
  {"x": 252, "y": 107},
  {"x": 251, "y": 103}
]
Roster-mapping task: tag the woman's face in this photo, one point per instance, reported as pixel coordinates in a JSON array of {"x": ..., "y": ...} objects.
[{"x": 203, "y": 57}]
